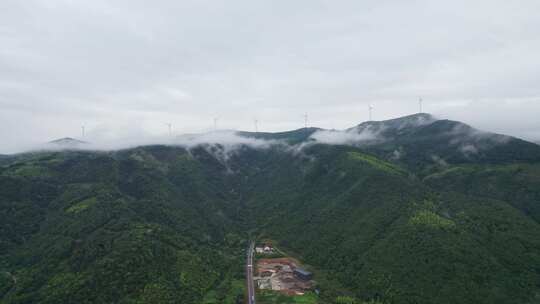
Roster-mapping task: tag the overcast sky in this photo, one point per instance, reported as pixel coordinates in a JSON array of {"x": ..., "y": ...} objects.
[{"x": 125, "y": 68}]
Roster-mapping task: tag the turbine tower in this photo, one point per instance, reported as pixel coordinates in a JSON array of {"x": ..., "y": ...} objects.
[
  {"x": 169, "y": 125},
  {"x": 370, "y": 112},
  {"x": 420, "y": 101},
  {"x": 305, "y": 120},
  {"x": 256, "y": 121},
  {"x": 83, "y": 131},
  {"x": 215, "y": 123}
]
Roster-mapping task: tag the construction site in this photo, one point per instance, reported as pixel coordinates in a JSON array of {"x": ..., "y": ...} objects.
[{"x": 283, "y": 275}]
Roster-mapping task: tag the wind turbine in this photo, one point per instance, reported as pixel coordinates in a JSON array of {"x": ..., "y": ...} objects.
[
  {"x": 169, "y": 125},
  {"x": 83, "y": 130},
  {"x": 256, "y": 122},
  {"x": 420, "y": 104},
  {"x": 305, "y": 120},
  {"x": 215, "y": 123},
  {"x": 370, "y": 107}
]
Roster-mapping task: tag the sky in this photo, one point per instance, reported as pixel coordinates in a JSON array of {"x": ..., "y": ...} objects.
[{"x": 126, "y": 68}]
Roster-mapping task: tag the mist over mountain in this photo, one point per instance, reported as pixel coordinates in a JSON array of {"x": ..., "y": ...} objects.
[
  {"x": 170, "y": 151},
  {"x": 413, "y": 136},
  {"x": 66, "y": 143},
  {"x": 409, "y": 210}
]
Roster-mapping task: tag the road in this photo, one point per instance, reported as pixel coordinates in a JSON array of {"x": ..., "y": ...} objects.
[{"x": 249, "y": 274}]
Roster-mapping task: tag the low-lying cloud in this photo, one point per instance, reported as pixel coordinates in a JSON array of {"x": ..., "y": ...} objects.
[
  {"x": 227, "y": 141},
  {"x": 347, "y": 137}
]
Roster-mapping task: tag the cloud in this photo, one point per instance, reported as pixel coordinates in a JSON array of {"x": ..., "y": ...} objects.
[
  {"x": 67, "y": 63},
  {"x": 347, "y": 137},
  {"x": 397, "y": 154},
  {"x": 469, "y": 149},
  {"x": 222, "y": 143},
  {"x": 473, "y": 140},
  {"x": 439, "y": 161},
  {"x": 230, "y": 140}
]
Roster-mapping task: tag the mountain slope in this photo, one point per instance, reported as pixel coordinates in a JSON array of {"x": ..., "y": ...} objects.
[
  {"x": 384, "y": 234},
  {"x": 419, "y": 140},
  {"x": 163, "y": 224},
  {"x": 518, "y": 184},
  {"x": 290, "y": 137},
  {"x": 131, "y": 227}
]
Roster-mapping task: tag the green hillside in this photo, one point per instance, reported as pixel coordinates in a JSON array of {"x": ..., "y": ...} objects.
[
  {"x": 420, "y": 140},
  {"x": 140, "y": 226},
  {"x": 291, "y": 137},
  {"x": 387, "y": 235},
  {"x": 162, "y": 224}
]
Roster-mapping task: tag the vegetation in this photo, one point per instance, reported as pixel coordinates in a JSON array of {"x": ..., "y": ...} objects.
[
  {"x": 431, "y": 219},
  {"x": 373, "y": 161},
  {"x": 162, "y": 224},
  {"x": 274, "y": 297},
  {"x": 115, "y": 228}
]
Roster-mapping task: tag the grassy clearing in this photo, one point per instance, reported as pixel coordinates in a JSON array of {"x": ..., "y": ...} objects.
[
  {"x": 81, "y": 206},
  {"x": 430, "y": 219},
  {"x": 376, "y": 163},
  {"x": 273, "y": 297}
]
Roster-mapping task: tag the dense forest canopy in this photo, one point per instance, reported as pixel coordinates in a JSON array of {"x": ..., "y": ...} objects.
[{"x": 420, "y": 211}]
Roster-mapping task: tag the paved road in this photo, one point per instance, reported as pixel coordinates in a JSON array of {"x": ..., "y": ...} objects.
[{"x": 249, "y": 274}]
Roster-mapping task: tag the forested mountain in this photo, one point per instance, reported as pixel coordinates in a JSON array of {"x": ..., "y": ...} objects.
[
  {"x": 140, "y": 226},
  {"x": 290, "y": 137},
  {"x": 410, "y": 210},
  {"x": 419, "y": 139},
  {"x": 4, "y": 159}
]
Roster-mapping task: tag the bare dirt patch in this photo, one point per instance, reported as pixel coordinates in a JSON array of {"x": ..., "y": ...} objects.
[{"x": 279, "y": 275}]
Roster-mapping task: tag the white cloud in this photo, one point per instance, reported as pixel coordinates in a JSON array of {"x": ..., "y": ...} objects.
[
  {"x": 469, "y": 149},
  {"x": 347, "y": 137},
  {"x": 66, "y": 63},
  {"x": 226, "y": 142},
  {"x": 230, "y": 140}
]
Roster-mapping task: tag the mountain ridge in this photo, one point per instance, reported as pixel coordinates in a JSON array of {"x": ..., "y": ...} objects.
[
  {"x": 380, "y": 132},
  {"x": 169, "y": 223}
]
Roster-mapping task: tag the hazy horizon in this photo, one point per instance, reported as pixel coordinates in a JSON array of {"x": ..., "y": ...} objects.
[
  {"x": 230, "y": 139},
  {"x": 126, "y": 69}
]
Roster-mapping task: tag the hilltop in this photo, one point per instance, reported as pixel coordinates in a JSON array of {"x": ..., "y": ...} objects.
[
  {"x": 419, "y": 140},
  {"x": 67, "y": 143}
]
